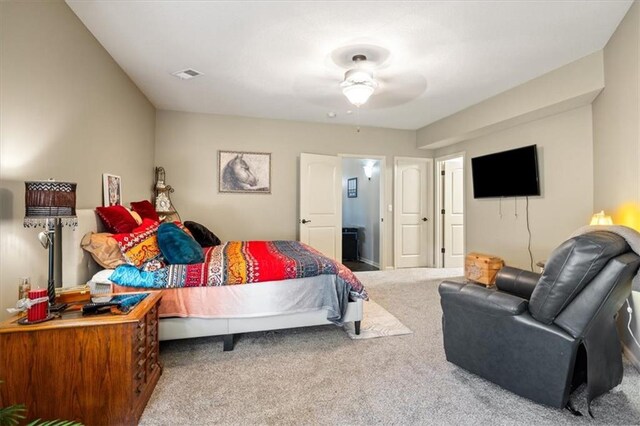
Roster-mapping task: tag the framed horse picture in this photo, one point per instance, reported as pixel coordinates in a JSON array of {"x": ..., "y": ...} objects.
[{"x": 244, "y": 172}]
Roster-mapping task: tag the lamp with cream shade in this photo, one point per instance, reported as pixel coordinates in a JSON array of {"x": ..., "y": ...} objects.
[{"x": 601, "y": 219}]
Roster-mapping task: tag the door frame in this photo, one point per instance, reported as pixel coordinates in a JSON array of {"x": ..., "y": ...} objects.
[
  {"x": 383, "y": 201},
  {"x": 430, "y": 211},
  {"x": 439, "y": 226}
]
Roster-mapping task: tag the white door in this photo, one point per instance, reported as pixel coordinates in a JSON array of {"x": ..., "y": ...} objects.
[
  {"x": 413, "y": 220},
  {"x": 453, "y": 217},
  {"x": 321, "y": 203}
]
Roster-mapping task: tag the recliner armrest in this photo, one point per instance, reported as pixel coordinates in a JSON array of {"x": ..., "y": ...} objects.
[
  {"x": 477, "y": 298},
  {"x": 517, "y": 281}
]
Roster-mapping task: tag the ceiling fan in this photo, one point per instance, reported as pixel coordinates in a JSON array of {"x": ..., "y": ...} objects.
[
  {"x": 369, "y": 78},
  {"x": 358, "y": 84}
]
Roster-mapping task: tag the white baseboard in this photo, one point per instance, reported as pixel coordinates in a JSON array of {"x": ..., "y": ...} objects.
[
  {"x": 369, "y": 262},
  {"x": 632, "y": 356},
  {"x": 389, "y": 268}
]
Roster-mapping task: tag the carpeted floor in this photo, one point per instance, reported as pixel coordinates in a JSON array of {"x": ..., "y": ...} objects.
[{"x": 318, "y": 375}]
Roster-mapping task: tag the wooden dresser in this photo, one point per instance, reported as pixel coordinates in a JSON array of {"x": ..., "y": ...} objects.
[{"x": 98, "y": 370}]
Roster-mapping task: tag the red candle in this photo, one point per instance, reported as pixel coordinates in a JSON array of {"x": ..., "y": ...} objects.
[{"x": 38, "y": 311}]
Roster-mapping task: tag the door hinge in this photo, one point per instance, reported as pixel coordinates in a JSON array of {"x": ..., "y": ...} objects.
[
  {"x": 382, "y": 219},
  {"x": 442, "y": 172},
  {"x": 442, "y": 211},
  {"x": 442, "y": 250}
]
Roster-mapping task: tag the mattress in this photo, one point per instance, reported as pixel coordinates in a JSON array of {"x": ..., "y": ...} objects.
[{"x": 250, "y": 300}]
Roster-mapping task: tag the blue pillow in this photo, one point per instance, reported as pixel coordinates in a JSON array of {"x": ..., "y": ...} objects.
[{"x": 177, "y": 246}]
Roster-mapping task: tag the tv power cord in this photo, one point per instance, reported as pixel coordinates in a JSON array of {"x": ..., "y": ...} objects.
[
  {"x": 630, "y": 311},
  {"x": 529, "y": 232}
]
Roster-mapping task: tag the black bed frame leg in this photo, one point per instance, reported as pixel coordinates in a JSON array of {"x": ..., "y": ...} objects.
[
  {"x": 228, "y": 342},
  {"x": 357, "y": 326}
]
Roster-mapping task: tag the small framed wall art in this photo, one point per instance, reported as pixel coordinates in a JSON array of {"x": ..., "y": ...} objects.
[
  {"x": 352, "y": 188},
  {"x": 111, "y": 190},
  {"x": 244, "y": 172}
]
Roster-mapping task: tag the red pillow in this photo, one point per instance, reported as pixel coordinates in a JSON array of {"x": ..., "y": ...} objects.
[
  {"x": 116, "y": 219},
  {"x": 145, "y": 209}
]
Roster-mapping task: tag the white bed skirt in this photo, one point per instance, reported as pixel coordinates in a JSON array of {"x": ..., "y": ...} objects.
[{"x": 184, "y": 328}]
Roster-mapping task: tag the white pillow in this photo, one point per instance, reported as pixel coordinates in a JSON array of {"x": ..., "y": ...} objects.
[
  {"x": 100, "y": 282},
  {"x": 102, "y": 277}
]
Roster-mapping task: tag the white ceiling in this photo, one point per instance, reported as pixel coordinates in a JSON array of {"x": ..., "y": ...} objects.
[{"x": 274, "y": 59}]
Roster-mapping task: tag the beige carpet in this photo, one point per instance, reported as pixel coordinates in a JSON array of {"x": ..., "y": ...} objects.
[
  {"x": 319, "y": 376},
  {"x": 376, "y": 322},
  {"x": 406, "y": 275}
]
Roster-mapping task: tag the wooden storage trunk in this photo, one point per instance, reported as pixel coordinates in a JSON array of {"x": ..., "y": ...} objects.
[{"x": 482, "y": 268}]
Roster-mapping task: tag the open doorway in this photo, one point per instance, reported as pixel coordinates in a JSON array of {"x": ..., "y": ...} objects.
[
  {"x": 362, "y": 198},
  {"x": 450, "y": 204}
]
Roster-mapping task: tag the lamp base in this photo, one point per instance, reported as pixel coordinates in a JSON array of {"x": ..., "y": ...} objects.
[{"x": 58, "y": 307}]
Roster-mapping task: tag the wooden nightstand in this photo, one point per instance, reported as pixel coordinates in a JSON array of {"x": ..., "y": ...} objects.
[{"x": 97, "y": 370}]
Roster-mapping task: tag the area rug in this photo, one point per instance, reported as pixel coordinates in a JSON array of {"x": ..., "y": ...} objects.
[{"x": 376, "y": 322}]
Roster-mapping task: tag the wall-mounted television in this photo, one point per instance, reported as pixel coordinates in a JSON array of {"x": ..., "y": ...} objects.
[{"x": 512, "y": 173}]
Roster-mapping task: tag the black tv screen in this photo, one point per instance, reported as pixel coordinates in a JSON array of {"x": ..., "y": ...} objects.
[{"x": 512, "y": 173}]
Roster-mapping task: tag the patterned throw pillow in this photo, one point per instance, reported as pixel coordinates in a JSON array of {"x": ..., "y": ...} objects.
[{"x": 141, "y": 245}]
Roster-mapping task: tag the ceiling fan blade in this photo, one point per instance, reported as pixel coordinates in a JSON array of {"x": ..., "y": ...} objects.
[
  {"x": 321, "y": 91},
  {"x": 397, "y": 90}
]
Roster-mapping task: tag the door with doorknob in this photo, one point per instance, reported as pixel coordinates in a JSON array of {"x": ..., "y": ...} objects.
[
  {"x": 320, "y": 224},
  {"x": 413, "y": 230}
]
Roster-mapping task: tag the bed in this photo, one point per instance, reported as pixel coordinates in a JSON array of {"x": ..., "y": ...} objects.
[{"x": 221, "y": 310}]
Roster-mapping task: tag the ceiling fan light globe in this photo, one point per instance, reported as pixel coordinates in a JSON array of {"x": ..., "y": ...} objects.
[
  {"x": 358, "y": 94},
  {"x": 357, "y": 75}
]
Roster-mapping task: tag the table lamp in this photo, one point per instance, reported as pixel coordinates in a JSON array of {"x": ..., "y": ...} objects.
[
  {"x": 601, "y": 219},
  {"x": 50, "y": 203}
]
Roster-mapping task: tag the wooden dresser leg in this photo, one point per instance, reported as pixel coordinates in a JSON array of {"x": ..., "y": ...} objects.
[
  {"x": 357, "y": 325},
  {"x": 228, "y": 342}
]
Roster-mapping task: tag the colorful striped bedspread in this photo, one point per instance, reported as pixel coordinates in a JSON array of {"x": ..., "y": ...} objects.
[{"x": 242, "y": 262}]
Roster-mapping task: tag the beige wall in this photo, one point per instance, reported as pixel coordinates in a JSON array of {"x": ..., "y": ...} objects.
[
  {"x": 187, "y": 146},
  {"x": 566, "y": 180},
  {"x": 553, "y": 111},
  {"x": 616, "y": 125},
  {"x": 568, "y": 87},
  {"x": 69, "y": 112},
  {"x": 616, "y": 143}
]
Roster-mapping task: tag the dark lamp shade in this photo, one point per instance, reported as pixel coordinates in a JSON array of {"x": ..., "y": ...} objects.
[{"x": 50, "y": 199}]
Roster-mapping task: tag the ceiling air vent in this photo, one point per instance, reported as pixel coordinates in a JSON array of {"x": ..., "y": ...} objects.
[{"x": 186, "y": 74}]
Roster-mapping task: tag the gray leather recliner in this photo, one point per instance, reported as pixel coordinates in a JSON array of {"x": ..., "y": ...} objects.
[{"x": 542, "y": 336}]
